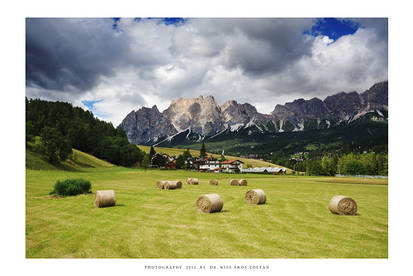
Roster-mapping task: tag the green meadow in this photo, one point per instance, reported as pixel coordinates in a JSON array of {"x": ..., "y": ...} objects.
[{"x": 149, "y": 223}]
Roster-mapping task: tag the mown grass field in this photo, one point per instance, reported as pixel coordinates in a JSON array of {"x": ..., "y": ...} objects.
[{"x": 149, "y": 223}]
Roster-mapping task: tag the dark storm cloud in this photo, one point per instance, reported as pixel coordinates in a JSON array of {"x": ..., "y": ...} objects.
[
  {"x": 262, "y": 46},
  {"x": 71, "y": 54}
]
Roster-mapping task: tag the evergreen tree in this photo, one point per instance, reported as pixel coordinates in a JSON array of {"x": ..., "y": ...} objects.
[
  {"x": 354, "y": 167},
  {"x": 145, "y": 162},
  {"x": 187, "y": 154},
  {"x": 328, "y": 165},
  {"x": 152, "y": 152},
  {"x": 65, "y": 149},
  {"x": 202, "y": 152},
  {"x": 187, "y": 159},
  {"x": 51, "y": 141},
  {"x": 130, "y": 154},
  {"x": 180, "y": 162},
  {"x": 29, "y": 131},
  {"x": 308, "y": 166},
  {"x": 316, "y": 168}
]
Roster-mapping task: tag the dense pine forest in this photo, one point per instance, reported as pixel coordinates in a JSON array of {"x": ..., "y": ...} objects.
[{"x": 56, "y": 127}]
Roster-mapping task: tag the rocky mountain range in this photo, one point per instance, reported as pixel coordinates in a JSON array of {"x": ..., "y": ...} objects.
[{"x": 202, "y": 118}]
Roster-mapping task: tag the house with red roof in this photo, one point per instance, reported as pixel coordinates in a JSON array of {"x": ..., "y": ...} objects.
[{"x": 231, "y": 166}]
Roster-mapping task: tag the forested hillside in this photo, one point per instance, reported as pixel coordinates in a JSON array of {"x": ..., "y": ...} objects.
[{"x": 57, "y": 127}]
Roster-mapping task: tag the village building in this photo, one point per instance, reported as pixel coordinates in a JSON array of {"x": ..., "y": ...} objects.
[
  {"x": 171, "y": 165},
  {"x": 231, "y": 166},
  {"x": 210, "y": 164},
  {"x": 270, "y": 170}
]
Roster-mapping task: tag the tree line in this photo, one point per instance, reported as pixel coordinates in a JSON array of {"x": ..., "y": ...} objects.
[
  {"x": 57, "y": 127},
  {"x": 349, "y": 164}
]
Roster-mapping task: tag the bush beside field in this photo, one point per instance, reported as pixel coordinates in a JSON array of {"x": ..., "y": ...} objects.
[{"x": 71, "y": 187}]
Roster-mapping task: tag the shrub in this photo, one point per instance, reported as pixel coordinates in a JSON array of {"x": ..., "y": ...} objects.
[{"x": 71, "y": 187}]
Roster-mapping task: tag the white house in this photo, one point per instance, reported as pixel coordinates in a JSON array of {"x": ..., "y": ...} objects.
[
  {"x": 231, "y": 166},
  {"x": 210, "y": 166}
]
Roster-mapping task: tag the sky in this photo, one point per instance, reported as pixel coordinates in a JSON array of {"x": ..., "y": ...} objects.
[{"x": 112, "y": 66}]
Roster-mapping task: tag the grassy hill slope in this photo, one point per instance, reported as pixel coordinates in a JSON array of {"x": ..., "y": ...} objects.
[
  {"x": 78, "y": 161},
  {"x": 247, "y": 161}
]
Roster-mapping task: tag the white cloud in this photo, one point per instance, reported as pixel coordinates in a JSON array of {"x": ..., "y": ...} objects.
[{"x": 263, "y": 62}]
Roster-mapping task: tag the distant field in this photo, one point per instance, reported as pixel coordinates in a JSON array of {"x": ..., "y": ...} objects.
[
  {"x": 354, "y": 180},
  {"x": 247, "y": 161},
  {"x": 149, "y": 223}
]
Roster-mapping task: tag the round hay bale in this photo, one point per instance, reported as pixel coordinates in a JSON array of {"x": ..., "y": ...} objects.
[
  {"x": 209, "y": 203},
  {"x": 243, "y": 182},
  {"x": 160, "y": 184},
  {"x": 234, "y": 182},
  {"x": 172, "y": 185},
  {"x": 255, "y": 196},
  {"x": 343, "y": 205},
  {"x": 193, "y": 181},
  {"x": 105, "y": 198},
  {"x": 169, "y": 186},
  {"x": 213, "y": 182}
]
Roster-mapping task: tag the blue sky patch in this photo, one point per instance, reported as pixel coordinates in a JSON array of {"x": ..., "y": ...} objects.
[
  {"x": 173, "y": 21},
  {"x": 115, "y": 22},
  {"x": 91, "y": 107},
  {"x": 333, "y": 28},
  {"x": 176, "y": 21}
]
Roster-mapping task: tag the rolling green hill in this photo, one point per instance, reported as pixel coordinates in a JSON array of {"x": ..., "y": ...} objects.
[{"x": 78, "y": 161}]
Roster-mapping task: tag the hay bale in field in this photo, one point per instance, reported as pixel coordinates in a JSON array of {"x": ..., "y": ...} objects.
[
  {"x": 193, "y": 181},
  {"x": 213, "y": 182},
  {"x": 172, "y": 185},
  {"x": 210, "y": 203},
  {"x": 342, "y": 205},
  {"x": 160, "y": 184},
  {"x": 243, "y": 182},
  {"x": 234, "y": 182},
  {"x": 105, "y": 198},
  {"x": 255, "y": 196}
]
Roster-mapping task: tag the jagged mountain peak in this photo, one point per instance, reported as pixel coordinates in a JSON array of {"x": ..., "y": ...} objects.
[
  {"x": 201, "y": 114},
  {"x": 155, "y": 108},
  {"x": 201, "y": 117}
]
